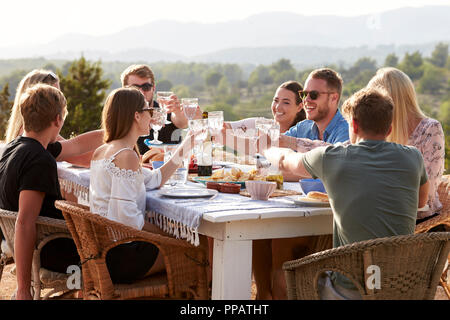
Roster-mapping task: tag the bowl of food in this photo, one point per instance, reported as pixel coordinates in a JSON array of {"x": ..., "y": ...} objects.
[
  {"x": 260, "y": 190},
  {"x": 309, "y": 185}
]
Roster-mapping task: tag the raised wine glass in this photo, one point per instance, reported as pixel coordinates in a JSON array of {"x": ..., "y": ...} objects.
[
  {"x": 156, "y": 123},
  {"x": 163, "y": 97}
]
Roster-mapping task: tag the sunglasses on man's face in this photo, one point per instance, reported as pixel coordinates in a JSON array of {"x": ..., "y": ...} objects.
[
  {"x": 145, "y": 86},
  {"x": 313, "y": 94}
]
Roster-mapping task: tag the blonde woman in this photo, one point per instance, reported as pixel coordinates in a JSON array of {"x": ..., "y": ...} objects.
[
  {"x": 118, "y": 182},
  {"x": 77, "y": 150},
  {"x": 15, "y": 122},
  {"x": 410, "y": 126}
]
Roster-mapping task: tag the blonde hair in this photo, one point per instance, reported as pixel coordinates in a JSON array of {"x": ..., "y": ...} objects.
[
  {"x": 140, "y": 70},
  {"x": 15, "y": 122},
  {"x": 40, "y": 105},
  {"x": 406, "y": 108}
]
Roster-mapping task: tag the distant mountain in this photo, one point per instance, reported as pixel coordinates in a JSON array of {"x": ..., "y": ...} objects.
[{"x": 261, "y": 38}]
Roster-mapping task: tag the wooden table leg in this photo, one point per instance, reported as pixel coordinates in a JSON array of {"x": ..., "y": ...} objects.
[{"x": 232, "y": 270}]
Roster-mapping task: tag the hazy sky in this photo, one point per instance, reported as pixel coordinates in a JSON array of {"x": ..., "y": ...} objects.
[{"x": 40, "y": 21}]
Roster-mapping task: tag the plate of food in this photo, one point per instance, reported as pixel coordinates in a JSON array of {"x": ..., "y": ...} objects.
[
  {"x": 235, "y": 175},
  {"x": 312, "y": 199}
]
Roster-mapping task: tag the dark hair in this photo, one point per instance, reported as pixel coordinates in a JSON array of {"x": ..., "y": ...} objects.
[
  {"x": 295, "y": 87},
  {"x": 332, "y": 78},
  {"x": 372, "y": 108}
]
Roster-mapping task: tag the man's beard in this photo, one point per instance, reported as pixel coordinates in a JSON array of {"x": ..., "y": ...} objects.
[{"x": 321, "y": 114}]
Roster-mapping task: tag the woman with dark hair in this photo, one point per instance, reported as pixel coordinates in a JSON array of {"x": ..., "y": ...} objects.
[
  {"x": 118, "y": 181},
  {"x": 287, "y": 108}
]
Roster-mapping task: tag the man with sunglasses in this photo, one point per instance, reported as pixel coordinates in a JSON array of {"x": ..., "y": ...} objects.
[
  {"x": 142, "y": 77},
  {"x": 321, "y": 96}
]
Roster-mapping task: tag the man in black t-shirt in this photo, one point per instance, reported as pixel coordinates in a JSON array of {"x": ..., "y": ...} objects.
[
  {"x": 29, "y": 182},
  {"x": 142, "y": 77}
]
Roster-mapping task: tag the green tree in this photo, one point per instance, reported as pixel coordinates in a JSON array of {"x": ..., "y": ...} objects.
[
  {"x": 412, "y": 65},
  {"x": 439, "y": 55},
  {"x": 85, "y": 91},
  {"x": 432, "y": 81},
  {"x": 163, "y": 85},
  {"x": 5, "y": 109},
  {"x": 391, "y": 60},
  {"x": 444, "y": 116},
  {"x": 213, "y": 78}
]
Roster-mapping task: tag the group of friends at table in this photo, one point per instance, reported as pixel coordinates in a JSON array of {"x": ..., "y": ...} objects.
[{"x": 379, "y": 157}]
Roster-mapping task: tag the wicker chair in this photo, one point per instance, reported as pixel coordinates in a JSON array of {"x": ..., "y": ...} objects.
[
  {"x": 442, "y": 219},
  {"x": 410, "y": 267},
  {"x": 47, "y": 229},
  {"x": 186, "y": 265}
]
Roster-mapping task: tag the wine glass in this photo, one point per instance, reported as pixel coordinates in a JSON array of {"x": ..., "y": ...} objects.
[
  {"x": 156, "y": 123},
  {"x": 215, "y": 122},
  {"x": 163, "y": 97},
  {"x": 190, "y": 106}
]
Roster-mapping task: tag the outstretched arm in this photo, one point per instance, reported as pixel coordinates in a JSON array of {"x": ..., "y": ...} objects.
[{"x": 80, "y": 148}]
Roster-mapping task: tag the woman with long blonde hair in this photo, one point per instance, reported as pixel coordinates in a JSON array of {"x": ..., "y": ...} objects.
[
  {"x": 410, "y": 126},
  {"x": 77, "y": 150},
  {"x": 15, "y": 122}
]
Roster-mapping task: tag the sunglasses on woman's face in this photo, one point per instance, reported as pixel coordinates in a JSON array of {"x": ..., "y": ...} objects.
[
  {"x": 145, "y": 86},
  {"x": 313, "y": 94}
]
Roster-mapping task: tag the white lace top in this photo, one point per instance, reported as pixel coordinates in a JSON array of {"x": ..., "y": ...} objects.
[{"x": 119, "y": 194}]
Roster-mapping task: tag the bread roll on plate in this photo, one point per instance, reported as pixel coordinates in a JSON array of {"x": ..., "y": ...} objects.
[
  {"x": 316, "y": 196},
  {"x": 154, "y": 154}
]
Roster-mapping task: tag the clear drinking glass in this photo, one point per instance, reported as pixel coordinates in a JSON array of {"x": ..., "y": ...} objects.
[
  {"x": 190, "y": 106},
  {"x": 156, "y": 123},
  {"x": 163, "y": 97},
  {"x": 215, "y": 122}
]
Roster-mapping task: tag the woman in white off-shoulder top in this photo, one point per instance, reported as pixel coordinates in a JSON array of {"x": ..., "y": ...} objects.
[{"x": 118, "y": 181}]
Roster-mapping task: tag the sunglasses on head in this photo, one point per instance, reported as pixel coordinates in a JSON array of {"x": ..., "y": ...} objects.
[
  {"x": 313, "y": 94},
  {"x": 145, "y": 86},
  {"x": 50, "y": 77}
]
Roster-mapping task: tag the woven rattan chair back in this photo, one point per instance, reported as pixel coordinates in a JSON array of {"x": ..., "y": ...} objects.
[
  {"x": 442, "y": 219},
  {"x": 47, "y": 229},
  {"x": 95, "y": 235},
  {"x": 410, "y": 267}
]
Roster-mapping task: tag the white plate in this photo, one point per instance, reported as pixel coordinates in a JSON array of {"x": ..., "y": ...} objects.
[
  {"x": 187, "y": 193},
  {"x": 302, "y": 201}
]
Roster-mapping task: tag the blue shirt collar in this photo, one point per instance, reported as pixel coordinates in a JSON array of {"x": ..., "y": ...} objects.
[{"x": 333, "y": 123}]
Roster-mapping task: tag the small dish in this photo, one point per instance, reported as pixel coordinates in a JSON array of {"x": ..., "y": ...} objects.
[
  {"x": 309, "y": 185},
  {"x": 260, "y": 190}
]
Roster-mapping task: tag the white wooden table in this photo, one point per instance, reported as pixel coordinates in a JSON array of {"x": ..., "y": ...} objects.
[{"x": 233, "y": 232}]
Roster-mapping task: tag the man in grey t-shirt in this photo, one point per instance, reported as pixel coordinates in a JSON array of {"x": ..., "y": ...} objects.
[{"x": 374, "y": 186}]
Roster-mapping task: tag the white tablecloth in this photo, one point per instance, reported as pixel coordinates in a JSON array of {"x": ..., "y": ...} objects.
[{"x": 176, "y": 216}]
